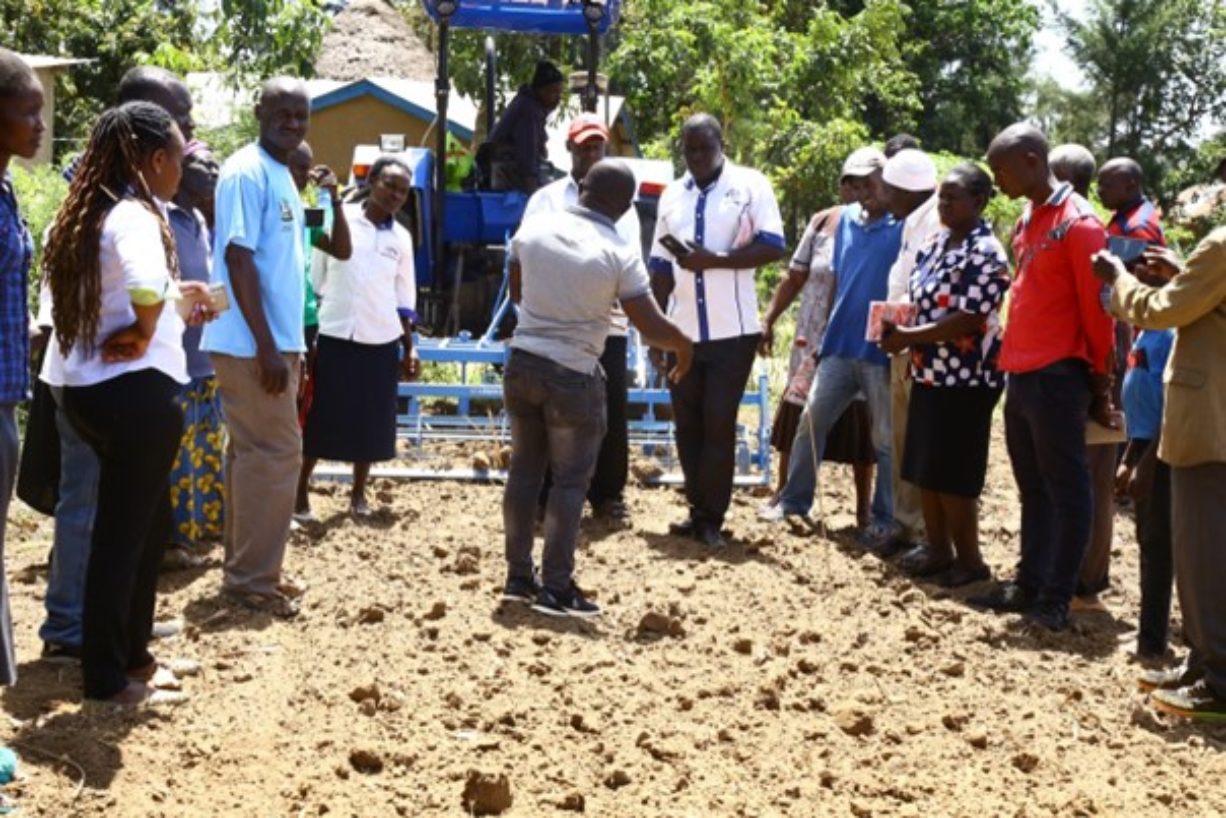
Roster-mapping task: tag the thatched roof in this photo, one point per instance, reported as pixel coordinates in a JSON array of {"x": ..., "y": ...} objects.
[{"x": 370, "y": 38}]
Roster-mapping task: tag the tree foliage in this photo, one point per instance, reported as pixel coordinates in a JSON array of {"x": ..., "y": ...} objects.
[{"x": 1156, "y": 79}]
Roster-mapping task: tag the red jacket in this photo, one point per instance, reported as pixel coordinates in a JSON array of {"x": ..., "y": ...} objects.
[{"x": 1055, "y": 304}]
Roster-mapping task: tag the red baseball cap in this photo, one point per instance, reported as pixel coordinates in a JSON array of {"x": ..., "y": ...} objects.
[{"x": 584, "y": 127}]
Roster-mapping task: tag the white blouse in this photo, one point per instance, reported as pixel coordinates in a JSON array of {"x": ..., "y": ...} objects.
[
  {"x": 363, "y": 297},
  {"x": 131, "y": 258}
]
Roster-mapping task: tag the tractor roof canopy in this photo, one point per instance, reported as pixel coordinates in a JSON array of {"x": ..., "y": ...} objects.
[{"x": 527, "y": 16}]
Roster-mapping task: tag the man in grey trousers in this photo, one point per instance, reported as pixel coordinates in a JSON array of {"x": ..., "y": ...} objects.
[{"x": 567, "y": 269}]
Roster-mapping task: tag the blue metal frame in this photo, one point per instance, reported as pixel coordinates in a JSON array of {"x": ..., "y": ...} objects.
[{"x": 525, "y": 16}]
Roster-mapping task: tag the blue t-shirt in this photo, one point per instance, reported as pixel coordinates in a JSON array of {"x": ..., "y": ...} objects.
[
  {"x": 258, "y": 208},
  {"x": 863, "y": 255},
  {"x": 192, "y": 246},
  {"x": 1142, "y": 393}
]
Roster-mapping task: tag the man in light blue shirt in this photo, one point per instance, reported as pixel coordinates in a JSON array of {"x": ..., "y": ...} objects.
[{"x": 256, "y": 346}]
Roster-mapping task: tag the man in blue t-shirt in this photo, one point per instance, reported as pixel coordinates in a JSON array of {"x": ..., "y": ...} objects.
[
  {"x": 865, "y": 247},
  {"x": 1147, "y": 480},
  {"x": 256, "y": 346}
]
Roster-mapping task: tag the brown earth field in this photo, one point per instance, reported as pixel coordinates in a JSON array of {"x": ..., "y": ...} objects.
[{"x": 787, "y": 675}]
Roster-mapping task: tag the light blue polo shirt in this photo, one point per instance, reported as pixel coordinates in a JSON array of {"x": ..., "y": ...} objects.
[
  {"x": 258, "y": 208},
  {"x": 863, "y": 255}
]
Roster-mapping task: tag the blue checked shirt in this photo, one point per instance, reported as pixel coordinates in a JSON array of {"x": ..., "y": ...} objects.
[{"x": 16, "y": 252}]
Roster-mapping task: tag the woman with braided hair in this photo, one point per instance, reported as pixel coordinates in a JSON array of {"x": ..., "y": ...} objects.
[{"x": 117, "y": 353}]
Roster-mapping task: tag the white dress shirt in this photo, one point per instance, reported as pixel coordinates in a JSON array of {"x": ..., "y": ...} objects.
[
  {"x": 131, "y": 260},
  {"x": 363, "y": 297},
  {"x": 918, "y": 229},
  {"x": 734, "y": 211},
  {"x": 562, "y": 193}
]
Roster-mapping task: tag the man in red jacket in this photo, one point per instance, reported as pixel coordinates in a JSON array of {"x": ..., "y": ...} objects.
[{"x": 1056, "y": 349}]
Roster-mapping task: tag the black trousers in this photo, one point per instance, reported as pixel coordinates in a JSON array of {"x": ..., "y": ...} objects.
[
  {"x": 1157, "y": 562},
  {"x": 613, "y": 463},
  {"x": 1045, "y": 430},
  {"x": 705, "y": 407},
  {"x": 133, "y": 423}
]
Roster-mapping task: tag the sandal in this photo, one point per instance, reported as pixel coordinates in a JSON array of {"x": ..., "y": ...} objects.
[
  {"x": 291, "y": 587},
  {"x": 957, "y": 575},
  {"x": 921, "y": 561},
  {"x": 274, "y": 604}
]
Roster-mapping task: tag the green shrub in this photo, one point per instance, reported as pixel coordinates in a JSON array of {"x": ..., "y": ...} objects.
[{"x": 40, "y": 191}]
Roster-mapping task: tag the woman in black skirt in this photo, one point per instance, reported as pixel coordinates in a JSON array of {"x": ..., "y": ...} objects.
[
  {"x": 365, "y": 342},
  {"x": 958, "y": 285}
]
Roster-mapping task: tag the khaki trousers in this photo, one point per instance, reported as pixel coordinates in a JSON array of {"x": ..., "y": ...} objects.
[
  {"x": 1198, "y": 518},
  {"x": 263, "y": 456},
  {"x": 908, "y": 509},
  {"x": 1096, "y": 566}
]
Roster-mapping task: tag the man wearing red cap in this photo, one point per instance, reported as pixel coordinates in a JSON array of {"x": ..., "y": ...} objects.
[{"x": 587, "y": 139}]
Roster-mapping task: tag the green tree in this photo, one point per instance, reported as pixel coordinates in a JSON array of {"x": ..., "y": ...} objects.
[
  {"x": 1156, "y": 77},
  {"x": 257, "y": 39},
  {"x": 114, "y": 34},
  {"x": 971, "y": 59}
]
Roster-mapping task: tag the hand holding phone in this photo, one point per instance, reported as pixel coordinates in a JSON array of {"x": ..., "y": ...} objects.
[{"x": 674, "y": 245}]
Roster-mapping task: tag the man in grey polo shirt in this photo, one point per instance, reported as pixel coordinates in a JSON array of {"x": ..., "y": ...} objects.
[{"x": 567, "y": 268}]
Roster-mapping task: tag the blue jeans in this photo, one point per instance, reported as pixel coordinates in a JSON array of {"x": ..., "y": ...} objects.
[
  {"x": 836, "y": 385},
  {"x": 557, "y": 421},
  {"x": 74, "y": 527}
]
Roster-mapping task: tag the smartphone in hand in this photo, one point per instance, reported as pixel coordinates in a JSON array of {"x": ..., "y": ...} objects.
[{"x": 674, "y": 245}]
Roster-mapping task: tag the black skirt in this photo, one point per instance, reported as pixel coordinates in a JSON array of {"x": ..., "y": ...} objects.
[
  {"x": 353, "y": 410},
  {"x": 948, "y": 428},
  {"x": 850, "y": 441}
]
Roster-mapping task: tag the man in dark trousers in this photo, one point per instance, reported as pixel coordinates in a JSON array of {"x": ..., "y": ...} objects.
[
  {"x": 717, "y": 225},
  {"x": 1056, "y": 349}
]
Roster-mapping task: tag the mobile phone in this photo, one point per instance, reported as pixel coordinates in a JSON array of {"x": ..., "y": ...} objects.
[
  {"x": 313, "y": 216},
  {"x": 674, "y": 245},
  {"x": 219, "y": 300},
  {"x": 1126, "y": 249}
]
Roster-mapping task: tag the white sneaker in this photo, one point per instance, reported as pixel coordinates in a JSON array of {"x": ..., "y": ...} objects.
[{"x": 776, "y": 514}]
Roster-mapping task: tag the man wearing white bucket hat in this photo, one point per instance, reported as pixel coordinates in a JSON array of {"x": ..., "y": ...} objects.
[{"x": 910, "y": 180}]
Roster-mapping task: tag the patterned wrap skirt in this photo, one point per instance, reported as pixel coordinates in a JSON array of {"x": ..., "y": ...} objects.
[{"x": 197, "y": 490}]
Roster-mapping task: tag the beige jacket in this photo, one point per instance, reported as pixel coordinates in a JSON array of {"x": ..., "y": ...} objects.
[{"x": 1193, "y": 303}]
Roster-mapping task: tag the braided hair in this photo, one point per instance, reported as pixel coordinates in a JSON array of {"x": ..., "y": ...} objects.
[{"x": 109, "y": 171}]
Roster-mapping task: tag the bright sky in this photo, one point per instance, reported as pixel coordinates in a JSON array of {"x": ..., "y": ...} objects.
[{"x": 1050, "y": 57}]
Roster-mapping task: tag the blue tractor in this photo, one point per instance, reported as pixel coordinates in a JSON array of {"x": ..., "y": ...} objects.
[{"x": 460, "y": 233}]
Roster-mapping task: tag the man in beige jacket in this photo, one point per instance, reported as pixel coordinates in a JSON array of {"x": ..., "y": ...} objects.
[{"x": 1194, "y": 445}]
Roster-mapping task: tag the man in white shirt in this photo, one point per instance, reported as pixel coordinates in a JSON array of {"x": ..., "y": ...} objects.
[
  {"x": 910, "y": 180},
  {"x": 587, "y": 139},
  {"x": 717, "y": 225}
]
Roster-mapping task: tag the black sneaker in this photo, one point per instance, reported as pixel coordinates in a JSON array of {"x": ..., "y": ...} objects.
[
  {"x": 613, "y": 513},
  {"x": 520, "y": 590},
  {"x": 686, "y": 528},
  {"x": 709, "y": 535},
  {"x": 58, "y": 653},
  {"x": 1051, "y": 616},
  {"x": 1171, "y": 678},
  {"x": 1008, "y": 597},
  {"x": 1198, "y": 702},
  {"x": 571, "y": 603}
]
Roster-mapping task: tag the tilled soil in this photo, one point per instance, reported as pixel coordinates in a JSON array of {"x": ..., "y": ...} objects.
[{"x": 790, "y": 674}]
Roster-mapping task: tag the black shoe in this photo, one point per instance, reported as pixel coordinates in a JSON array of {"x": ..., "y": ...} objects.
[
  {"x": 58, "y": 653},
  {"x": 1051, "y": 616},
  {"x": 613, "y": 513},
  {"x": 710, "y": 536},
  {"x": 687, "y": 528},
  {"x": 570, "y": 603},
  {"x": 1171, "y": 678},
  {"x": 1008, "y": 597},
  {"x": 520, "y": 590},
  {"x": 1197, "y": 701}
]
